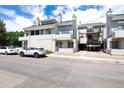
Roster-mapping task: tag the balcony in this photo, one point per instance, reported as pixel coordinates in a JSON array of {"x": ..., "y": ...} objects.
[
  {"x": 96, "y": 29},
  {"x": 117, "y": 33},
  {"x": 83, "y": 40},
  {"x": 23, "y": 38},
  {"x": 93, "y": 42},
  {"x": 48, "y": 36},
  {"x": 63, "y": 37}
]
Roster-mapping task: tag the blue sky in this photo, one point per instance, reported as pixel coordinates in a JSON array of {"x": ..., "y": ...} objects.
[{"x": 17, "y": 17}]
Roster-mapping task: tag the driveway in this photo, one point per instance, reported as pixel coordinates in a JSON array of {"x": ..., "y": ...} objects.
[{"x": 55, "y": 72}]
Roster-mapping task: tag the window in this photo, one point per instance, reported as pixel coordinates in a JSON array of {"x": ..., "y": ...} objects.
[
  {"x": 67, "y": 31},
  {"x": 28, "y": 48},
  {"x": 26, "y": 34},
  {"x": 40, "y": 49},
  {"x": 37, "y": 32},
  {"x": 57, "y": 44},
  {"x": 89, "y": 36},
  {"x": 48, "y": 31},
  {"x": 10, "y": 47},
  {"x": 114, "y": 44},
  {"x": 70, "y": 44},
  {"x": 95, "y": 36},
  {"x": 32, "y": 48},
  {"x": 41, "y": 32},
  {"x": 32, "y": 32},
  {"x": 60, "y": 45},
  {"x": 121, "y": 27},
  {"x": 3, "y": 48}
]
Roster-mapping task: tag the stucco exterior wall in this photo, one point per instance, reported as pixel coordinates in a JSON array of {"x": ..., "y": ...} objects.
[
  {"x": 121, "y": 43},
  {"x": 46, "y": 43},
  {"x": 118, "y": 34},
  {"x": 119, "y": 51},
  {"x": 114, "y": 34}
]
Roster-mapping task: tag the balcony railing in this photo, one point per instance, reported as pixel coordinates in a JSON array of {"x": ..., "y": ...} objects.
[
  {"x": 63, "y": 36},
  {"x": 25, "y": 38},
  {"x": 48, "y": 36},
  {"x": 117, "y": 32},
  {"x": 66, "y": 32},
  {"x": 117, "y": 29},
  {"x": 91, "y": 42}
]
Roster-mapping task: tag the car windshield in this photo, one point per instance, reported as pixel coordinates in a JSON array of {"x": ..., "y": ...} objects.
[
  {"x": 10, "y": 48},
  {"x": 40, "y": 49},
  {"x": 3, "y": 47}
]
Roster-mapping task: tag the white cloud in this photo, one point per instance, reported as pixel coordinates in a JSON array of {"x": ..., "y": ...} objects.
[
  {"x": 17, "y": 24},
  {"x": 23, "y": 22},
  {"x": 12, "y": 26},
  {"x": 35, "y": 10}
]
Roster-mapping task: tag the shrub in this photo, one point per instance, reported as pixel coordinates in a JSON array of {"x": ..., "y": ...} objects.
[{"x": 48, "y": 52}]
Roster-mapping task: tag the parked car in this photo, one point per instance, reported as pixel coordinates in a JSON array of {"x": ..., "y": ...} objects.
[
  {"x": 18, "y": 49},
  {"x": 33, "y": 51},
  {"x": 7, "y": 50}
]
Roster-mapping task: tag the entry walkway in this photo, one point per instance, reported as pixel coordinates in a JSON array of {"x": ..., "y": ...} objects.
[
  {"x": 93, "y": 54},
  {"x": 90, "y": 55}
]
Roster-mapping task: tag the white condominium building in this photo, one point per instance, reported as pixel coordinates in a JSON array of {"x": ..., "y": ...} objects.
[{"x": 51, "y": 35}]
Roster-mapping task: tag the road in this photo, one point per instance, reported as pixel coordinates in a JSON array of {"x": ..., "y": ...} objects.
[{"x": 55, "y": 72}]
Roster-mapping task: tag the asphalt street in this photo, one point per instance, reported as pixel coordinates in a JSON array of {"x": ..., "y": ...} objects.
[{"x": 56, "y": 72}]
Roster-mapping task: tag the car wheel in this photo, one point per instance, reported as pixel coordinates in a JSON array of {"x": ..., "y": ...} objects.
[
  {"x": 36, "y": 55},
  {"x": 6, "y": 53},
  {"x": 22, "y": 54}
]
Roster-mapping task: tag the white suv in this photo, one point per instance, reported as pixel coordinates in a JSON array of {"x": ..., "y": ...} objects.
[
  {"x": 8, "y": 50},
  {"x": 33, "y": 51}
]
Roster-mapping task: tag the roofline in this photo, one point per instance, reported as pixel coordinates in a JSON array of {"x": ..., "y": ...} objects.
[{"x": 88, "y": 24}]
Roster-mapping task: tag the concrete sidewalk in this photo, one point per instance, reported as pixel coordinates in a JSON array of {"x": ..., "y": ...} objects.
[{"x": 90, "y": 56}]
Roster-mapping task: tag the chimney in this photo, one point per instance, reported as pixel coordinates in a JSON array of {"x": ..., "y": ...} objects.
[
  {"x": 74, "y": 20},
  {"x": 38, "y": 22},
  {"x": 59, "y": 17},
  {"x": 48, "y": 17},
  {"x": 109, "y": 12},
  {"x": 80, "y": 22},
  {"x": 74, "y": 16},
  {"x": 34, "y": 23},
  {"x": 108, "y": 22}
]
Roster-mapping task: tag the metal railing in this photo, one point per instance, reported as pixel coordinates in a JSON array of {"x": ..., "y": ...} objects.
[{"x": 92, "y": 42}]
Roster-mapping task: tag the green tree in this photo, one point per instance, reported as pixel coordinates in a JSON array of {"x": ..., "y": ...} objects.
[
  {"x": 12, "y": 38},
  {"x": 2, "y": 33}
]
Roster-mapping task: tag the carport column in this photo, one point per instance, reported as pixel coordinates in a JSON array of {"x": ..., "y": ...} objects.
[
  {"x": 108, "y": 50},
  {"x": 23, "y": 44},
  {"x": 75, "y": 46},
  {"x": 53, "y": 45},
  {"x": 108, "y": 43}
]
